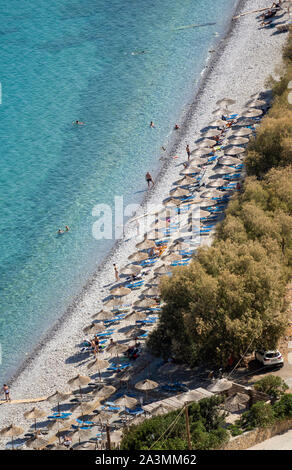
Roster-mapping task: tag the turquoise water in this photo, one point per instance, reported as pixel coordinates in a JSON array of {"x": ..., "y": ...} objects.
[{"x": 61, "y": 61}]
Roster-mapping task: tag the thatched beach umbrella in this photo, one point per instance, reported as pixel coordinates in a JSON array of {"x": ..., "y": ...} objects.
[
  {"x": 217, "y": 123},
  {"x": 236, "y": 402},
  {"x": 151, "y": 291},
  {"x": 228, "y": 161},
  {"x": 11, "y": 431},
  {"x": 132, "y": 269},
  {"x": 166, "y": 214},
  {"x": 161, "y": 409},
  {"x": 199, "y": 152},
  {"x": 138, "y": 256},
  {"x": 216, "y": 183},
  {"x": 209, "y": 133},
  {"x": 146, "y": 385},
  {"x": 79, "y": 381},
  {"x": 35, "y": 413},
  {"x": 211, "y": 193},
  {"x": 179, "y": 192},
  {"x": 222, "y": 170},
  {"x": 59, "y": 397},
  {"x": 220, "y": 385},
  {"x": 171, "y": 202},
  {"x": 240, "y": 132},
  {"x": 97, "y": 365},
  {"x": 186, "y": 181},
  {"x": 254, "y": 103},
  {"x": 145, "y": 244},
  {"x": 234, "y": 150},
  {"x": 161, "y": 270},
  {"x": 225, "y": 102},
  {"x": 160, "y": 224},
  {"x": 87, "y": 408},
  {"x": 180, "y": 246},
  {"x": 250, "y": 113},
  {"x": 237, "y": 140},
  {"x": 120, "y": 291},
  {"x": 169, "y": 257},
  {"x": 144, "y": 303},
  {"x": 220, "y": 112},
  {"x": 105, "y": 392},
  {"x": 93, "y": 328},
  {"x": 113, "y": 302},
  {"x": 102, "y": 315},
  {"x": 40, "y": 443},
  {"x": 191, "y": 170},
  {"x": 206, "y": 143},
  {"x": 126, "y": 402}
]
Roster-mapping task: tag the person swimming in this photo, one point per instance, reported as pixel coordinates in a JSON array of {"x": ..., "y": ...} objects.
[{"x": 79, "y": 123}]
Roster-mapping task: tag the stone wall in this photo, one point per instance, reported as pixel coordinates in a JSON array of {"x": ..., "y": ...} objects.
[{"x": 251, "y": 438}]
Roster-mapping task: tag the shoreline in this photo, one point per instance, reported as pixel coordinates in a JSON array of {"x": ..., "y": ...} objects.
[
  {"x": 175, "y": 141},
  {"x": 39, "y": 365}
]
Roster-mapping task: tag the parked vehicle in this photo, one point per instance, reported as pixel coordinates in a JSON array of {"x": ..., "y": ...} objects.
[{"x": 270, "y": 358}]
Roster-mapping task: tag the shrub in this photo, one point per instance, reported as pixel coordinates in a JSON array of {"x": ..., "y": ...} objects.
[
  {"x": 260, "y": 415},
  {"x": 283, "y": 407},
  {"x": 272, "y": 385}
]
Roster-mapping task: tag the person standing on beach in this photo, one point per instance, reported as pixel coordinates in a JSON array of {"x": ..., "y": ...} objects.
[
  {"x": 188, "y": 151},
  {"x": 116, "y": 273},
  {"x": 6, "y": 392},
  {"x": 149, "y": 179}
]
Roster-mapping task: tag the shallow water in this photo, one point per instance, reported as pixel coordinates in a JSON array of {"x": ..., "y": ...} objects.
[{"x": 61, "y": 61}]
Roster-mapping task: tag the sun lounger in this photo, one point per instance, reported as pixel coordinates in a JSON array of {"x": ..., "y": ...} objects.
[
  {"x": 119, "y": 367},
  {"x": 134, "y": 285},
  {"x": 136, "y": 412}
]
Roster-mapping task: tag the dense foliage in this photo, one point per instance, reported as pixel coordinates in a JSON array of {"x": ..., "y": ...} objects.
[
  {"x": 231, "y": 297},
  {"x": 272, "y": 385},
  {"x": 206, "y": 422}
]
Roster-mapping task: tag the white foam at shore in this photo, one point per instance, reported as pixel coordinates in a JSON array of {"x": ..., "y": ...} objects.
[{"x": 249, "y": 56}]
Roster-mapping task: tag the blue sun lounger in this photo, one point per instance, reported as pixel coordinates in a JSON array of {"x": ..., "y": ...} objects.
[
  {"x": 134, "y": 285},
  {"x": 136, "y": 412}
]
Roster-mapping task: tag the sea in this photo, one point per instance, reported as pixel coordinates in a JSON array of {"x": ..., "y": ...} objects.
[{"x": 115, "y": 66}]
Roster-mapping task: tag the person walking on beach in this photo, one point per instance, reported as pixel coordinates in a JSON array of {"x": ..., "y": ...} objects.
[
  {"x": 188, "y": 151},
  {"x": 6, "y": 392},
  {"x": 149, "y": 179},
  {"x": 116, "y": 273}
]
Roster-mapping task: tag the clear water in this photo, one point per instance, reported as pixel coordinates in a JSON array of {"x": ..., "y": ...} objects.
[{"x": 66, "y": 60}]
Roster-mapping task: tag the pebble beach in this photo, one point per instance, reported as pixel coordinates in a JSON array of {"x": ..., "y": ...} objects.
[{"x": 240, "y": 66}]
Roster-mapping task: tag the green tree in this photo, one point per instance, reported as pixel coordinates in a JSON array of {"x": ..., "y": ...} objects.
[{"x": 272, "y": 385}]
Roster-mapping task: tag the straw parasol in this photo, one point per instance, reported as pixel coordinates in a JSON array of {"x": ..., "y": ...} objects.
[
  {"x": 225, "y": 102},
  {"x": 98, "y": 364},
  {"x": 113, "y": 302},
  {"x": 206, "y": 143},
  {"x": 146, "y": 385},
  {"x": 217, "y": 123},
  {"x": 102, "y": 315},
  {"x": 93, "y": 328},
  {"x": 87, "y": 408},
  {"x": 105, "y": 391},
  {"x": 220, "y": 385},
  {"x": 132, "y": 269},
  {"x": 186, "y": 181},
  {"x": 126, "y": 401},
  {"x": 121, "y": 291},
  {"x": 240, "y": 132},
  {"x": 161, "y": 270},
  {"x": 220, "y": 112},
  {"x": 59, "y": 397},
  {"x": 179, "y": 192},
  {"x": 79, "y": 381},
  {"x": 137, "y": 316},
  {"x": 166, "y": 214},
  {"x": 234, "y": 150},
  {"x": 145, "y": 244},
  {"x": 171, "y": 202},
  {"x": 161, "y": 409},
  {"x": 218, "y": 170},
  {"x": 250, "y": 113},
  {"x": 40, "y": 442},
  {"x": 151, "y": 291},
  {"x": 237, "y": 402},
  {"x": 211, "y": 193},
  {"x": 138, "y": 256},
  {"x": 11, "y": 431},
  {"x": 172, "y": 257},
  {"x": 199, "y": 152},
  {"x": 160, "y": 224},
  {"x": 216, "y": 183},
  {"x": 144, "y": 303},
  {"x": 191, "y": 170},
  {"x": 35, "y": 413},
  {"x": 238, "y": 140},
  {"x": 254, "y": 103},
  {"x": 228, "y": 161}
]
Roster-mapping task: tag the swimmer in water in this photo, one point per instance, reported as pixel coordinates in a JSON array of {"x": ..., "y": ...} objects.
[
  {"x": 79, "y": 123},
  {"x": 152, "y": 124},
  {"x": 60, "y": 232},
  {"x": 138, "y": 52},
  {"x": 66, "y": 228}
]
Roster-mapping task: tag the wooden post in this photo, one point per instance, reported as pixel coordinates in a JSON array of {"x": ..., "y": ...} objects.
[
  {"x": 188, "y": 428},
  {"x": 108, "y": 438}
]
